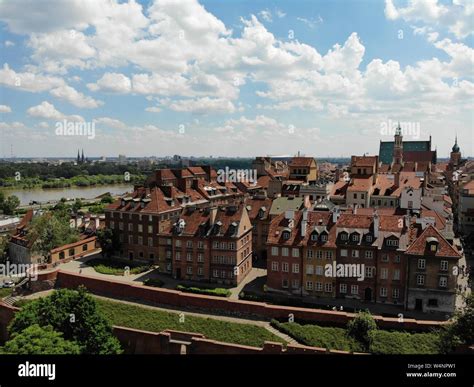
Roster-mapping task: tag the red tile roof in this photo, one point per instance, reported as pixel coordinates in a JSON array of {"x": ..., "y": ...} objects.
[
  {"x": 302, "y": 162},
  {"x": 419, "y": 246}
]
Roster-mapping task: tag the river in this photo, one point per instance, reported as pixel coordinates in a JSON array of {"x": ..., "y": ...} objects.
[{"x": 54, "y": 194}]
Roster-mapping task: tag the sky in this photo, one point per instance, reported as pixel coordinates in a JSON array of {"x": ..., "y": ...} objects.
[{"x": 233, "y": 78}]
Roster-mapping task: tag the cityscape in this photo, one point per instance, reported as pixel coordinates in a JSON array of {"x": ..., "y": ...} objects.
[{"x": 196, "y": 178}]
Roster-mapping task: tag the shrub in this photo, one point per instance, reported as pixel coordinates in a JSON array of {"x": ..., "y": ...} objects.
[
  {"x": 360, "y": 327},
  {"x": 112, "y": 267},
  {"x": 403, "y": 343},
  {"x": 219, "y": 292}
]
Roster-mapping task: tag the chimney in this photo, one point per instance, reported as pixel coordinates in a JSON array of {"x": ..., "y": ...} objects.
[
  {"x": 335, "y": 214},
  {"x": 304, "y": 223},
  {"x": 397, "y": 179},
  {"x": 376, "y": 224}
]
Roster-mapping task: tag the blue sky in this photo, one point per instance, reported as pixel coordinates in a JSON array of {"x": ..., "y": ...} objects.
[{"x": 234, "y": 78}]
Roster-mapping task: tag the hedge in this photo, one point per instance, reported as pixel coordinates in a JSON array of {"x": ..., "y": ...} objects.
[{"x": 220, "y": 292}]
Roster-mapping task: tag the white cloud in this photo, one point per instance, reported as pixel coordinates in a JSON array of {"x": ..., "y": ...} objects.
[
  {"x": 113, "y": 83},
  {"x": 28, "y": 81},
  {"x": 9, "y": 43},
  {"x": 311, "y": 22},
  {"x": 203, "y": 105},
  {"x": 47, "y": 111},
  {"x": 456, "y": 17},
  {"x": 76, "y": 98},
  {"x": 5, "y": 109},
  {"x": 266, "y": 15},
  {"x": 111, "y": 122}
]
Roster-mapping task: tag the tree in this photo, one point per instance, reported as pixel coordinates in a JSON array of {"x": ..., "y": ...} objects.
[
  {"x": 73, "y": 313},
  {"x": 10, "y": 204},
  {"x": 107, "y": 199},
  {"x": 461, "y": 330},
  {"x": 108, "y": 241},
  {"x": 3, "y": 248},
  {"x": 2, "y": 198},
  {"x": 361, "y": 326},
  {"x": 77, "y": 205},
  {"x": 36, "y": 340},
  {"x": 49, "y": 231}
]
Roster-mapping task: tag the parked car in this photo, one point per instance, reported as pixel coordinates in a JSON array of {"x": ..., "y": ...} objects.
[{"x": 8, "y": 284}]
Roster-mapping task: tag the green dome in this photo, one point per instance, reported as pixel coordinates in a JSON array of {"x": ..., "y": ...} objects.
[{"x": 456, "y": 146}]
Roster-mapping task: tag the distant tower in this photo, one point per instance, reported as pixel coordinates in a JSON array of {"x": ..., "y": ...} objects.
[
  {"x": 455, "y": 158},
  {"x": 398, "y": 147},
  {"x": 82, "y": 157},
  {"x": 78, "y": 157}
]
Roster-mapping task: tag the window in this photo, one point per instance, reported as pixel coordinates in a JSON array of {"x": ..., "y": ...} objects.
[
  {"x": 140, "y": 228},
  {"x": 314, "y": 236},
  {"x": 150, "y": 229},
  {"x": 284, "y": 267},
  {"x": 343, "y": 253},
  {"x": 319, "y": 270},
  {"x": 309, "y": 253},
  {"x": 168, "y": 254},
  {"x": 200, "y": 257},
  {"x": 444, "y": 265},
  {"x": 309, "y": 269},
  {"x": 231, "y": 246},
  {"x": 369, "y": 254},
  {"x": 433, "y": 247},
  {"x": 274, "y": 266},
  {"x": 177, "y": 243},
  {"x": 189, "y": 244},
  {"x": 319, "y": 286},
  {"x": 284, "y": 283},
  {"x": 112, "y": 224},
  {"x": 395, "y": 293},
  {"x": 355, "y": 238},
  {"x": 421, "y": 263},
  {"x": 420, "y": 279},
  {"x": 140, "y": 240},
  {"x": 355, "y": 196},
  {"x": 392, "y": 242},
  {"x": 384, "y": 257},
  {"x": 200, "y": 271},
  {"x": 284, "y": 251},
  {"x": 369, "y": 271},
  {"x": 328, "y": 287},
  {"x": 189, "y": 257},
  {"x": 343, "y": 288},
  {"x": 433, "y": 302},
  {"x": 344, "y": 236},
  {"x": 84, "y": 247},
  {"x": 295, "y": 253},
  {"x": 324, "y": 237},
  {"x": 130, "y": 239},
  {"x": 274, "y": 251},
  {"x": 383, "y": 292},
  {"x": 130, "y": 227},
  {"x": 150, "y": 242},
  {"x": 443, "y": 282},
  {"x": 369, "y": 238},
  {"x": 215, "y": 273},
  {"x": 286, "y": 235},
  {"x": 200, "y": 244},
  {"x": 189, "y": 270},
  {"x": 177, "y": 256},
  {"x": 383, "y": 273},
  {"x": 295, "y": 268},
  {"x": 396, "y": 274},
  {"x": 354, "y": 289},
  {"x": 309, "y": 285},
  {"x": 355, "y": 253},
  {"x": 397, "y": 259},
  {"x": 319, "y": 254},
  {"x": 328, "y": 254},
  {"x": 295, "y": 284}
]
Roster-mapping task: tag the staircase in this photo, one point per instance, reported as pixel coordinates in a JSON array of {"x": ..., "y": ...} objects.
[
  {"x": 10, "y": 300},
  {"x": 282, "y": 335}
]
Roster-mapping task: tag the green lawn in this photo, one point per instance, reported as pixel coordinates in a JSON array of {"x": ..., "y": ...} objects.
[
  {"x": 317, "y": 336},
  {"x": 115, "y": 267},
  {"x": 156, "y": 321},
  {"x": 219, "y": 292},
  {"x": 382, "y": 341},
  {"x": 4, "y": 292}
]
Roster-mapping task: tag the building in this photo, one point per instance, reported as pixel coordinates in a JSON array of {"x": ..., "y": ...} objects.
[
  {"x": 211, "y": 245},
  {"x": 303, "y": 169},
  {"x": 431, "y": 281},
  {"x": 258, "y": 208}
]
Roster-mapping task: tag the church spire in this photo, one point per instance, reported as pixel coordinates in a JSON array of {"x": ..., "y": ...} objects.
[
  {"x": 78, "y": 158},
  {"x": 82, "y": 157}
]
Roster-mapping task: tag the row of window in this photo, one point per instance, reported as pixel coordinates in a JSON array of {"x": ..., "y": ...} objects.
[
  {"x": 420, "y": 281},
  {"x": 189, "y": 256},
  {"x": 295, "y": 267},
  {"x": 443, "y": 266},
  {"x": 130, "y": 227},
  {"x": 189, "y": 244},
  {"x": 71, "y": 252},
  {"x": 139, "y": 240}
]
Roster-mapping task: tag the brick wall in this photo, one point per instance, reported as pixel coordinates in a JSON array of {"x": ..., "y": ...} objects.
[{"x": 226, "y": 306}]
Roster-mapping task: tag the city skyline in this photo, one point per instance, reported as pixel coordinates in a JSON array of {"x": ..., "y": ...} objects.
[{"x": 234, "y": 81}]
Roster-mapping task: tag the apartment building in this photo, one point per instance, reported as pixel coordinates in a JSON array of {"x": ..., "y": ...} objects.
[
  {"x": 303, "y": 168},
  {"x": 208, "y": 244},
  {"x": 432, "y": 271},
  {"x": 258, "y": 208}
]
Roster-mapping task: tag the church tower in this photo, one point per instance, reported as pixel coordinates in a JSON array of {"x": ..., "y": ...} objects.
[
  {"x": 78, "y": 158},
  {"x": 455, "y": 158},
  {"x": 398, "y": 147}
]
